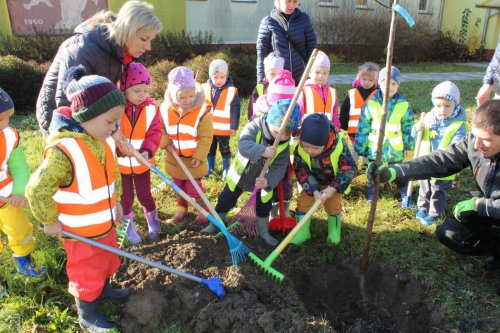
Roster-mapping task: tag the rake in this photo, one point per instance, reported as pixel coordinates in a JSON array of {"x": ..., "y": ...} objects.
[
  {"x": 415, "y": 155},
  {"x": 266, "y": 264},
  {"x": 121, "y": 233}
]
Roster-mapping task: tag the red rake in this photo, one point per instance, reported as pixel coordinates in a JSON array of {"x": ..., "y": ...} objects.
[
  {"x": 282, "y": 222},
  {"x": 247, "y": 217}
]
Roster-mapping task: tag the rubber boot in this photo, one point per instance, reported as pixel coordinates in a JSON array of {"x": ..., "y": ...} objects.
[
  {"x": 153, "y": 223},
  {"x": 334, "y": 228},
  {"x": 369, "y": 193},
  {"x": 211, "y": 165},
  {"x": 405, "y": 200},
  {"x": 3, "y": 288},
  {"x": 211, "y": 228},
  {"x": 24, "y": 267},
  {"x": 262, "y": 225},
  {"x": 181, "y": 212},
  {"x": 226, "y": 162},
  {"x": 200, "y": 218},
  {"x": 91, "y": 318},
  {"x": 109, "y": 293},
  {"x": 132, "y": 235},
  {"x": 304, "y": 233},
  {"x": 275, "y": 211}
]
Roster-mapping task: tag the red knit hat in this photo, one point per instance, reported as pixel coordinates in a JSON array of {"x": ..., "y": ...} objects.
[{"x": 281, "y": 87}]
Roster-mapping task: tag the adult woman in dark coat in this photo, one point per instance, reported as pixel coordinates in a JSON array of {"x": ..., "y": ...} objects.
[
  {"x": 286, "y": 19},
  {"x": 104, "y": 44}
]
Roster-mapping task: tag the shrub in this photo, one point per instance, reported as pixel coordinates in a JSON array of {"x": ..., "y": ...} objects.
[
  {"x": 22, "y": 80},
  {"x": 40, "y": 48},
  {"x": 159, "y": 75}
]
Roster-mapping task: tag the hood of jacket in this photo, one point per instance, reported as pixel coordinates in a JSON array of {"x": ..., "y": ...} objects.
[
  {"x": 98, "y": 35},
  {"x": 199, "y": 98}
]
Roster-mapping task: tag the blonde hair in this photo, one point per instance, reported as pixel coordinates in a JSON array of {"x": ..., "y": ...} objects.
[
  {"x": 368, "y": 67},
  {"x": 277, "y": 4}
]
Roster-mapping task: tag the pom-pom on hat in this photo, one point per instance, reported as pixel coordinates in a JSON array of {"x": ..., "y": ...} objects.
[
  {"x": 135, "y": 74},
  {"x": 277, "y": 112},
  {"x": 90, "y": 95},
  {"x": 6, "y": 102},
  {"x": 447, "y": 90},
  {"x": 281, "y": 87},
  {"x": 180, "y": 78},
  {"x": 395, "y": 75},
  {"x": 315, "y": 129},
  {"x": 321, "y": 60},
  {"x": 218, "y": 66},
  {"x": 273, "y": 61}
]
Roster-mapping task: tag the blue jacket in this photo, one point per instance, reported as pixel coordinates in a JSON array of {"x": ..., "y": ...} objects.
[
  {"x": 235, "y": 104},
  {"x": 271, "y": 38}
]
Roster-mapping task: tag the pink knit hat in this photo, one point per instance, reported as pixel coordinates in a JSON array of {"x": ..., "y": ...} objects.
[
  {"x": 180, "y": 78},
  {"x": 281, "y": 87},
  {"x": 135, "y": 74},
  {"x": 321, "y": 60}
]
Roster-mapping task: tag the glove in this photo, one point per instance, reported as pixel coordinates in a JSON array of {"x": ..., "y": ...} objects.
[
  {"x": 387, "y": 174},
  {"x": 464, "y": 206}
]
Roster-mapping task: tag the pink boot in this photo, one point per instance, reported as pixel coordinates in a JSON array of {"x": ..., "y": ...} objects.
[
  {"x": 132, "y": 234},
  {"x": 153, "y": 224}
]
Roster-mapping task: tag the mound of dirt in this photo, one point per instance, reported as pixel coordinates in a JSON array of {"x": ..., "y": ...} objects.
[{"x": 312, "y": 297}]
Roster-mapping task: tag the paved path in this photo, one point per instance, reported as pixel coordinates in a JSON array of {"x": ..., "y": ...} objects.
[{"x": 452, "y": 76}]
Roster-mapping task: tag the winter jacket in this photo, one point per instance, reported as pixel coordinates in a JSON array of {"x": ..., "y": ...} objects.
[
  {"x": 389, "y": 154},
  {"x": 88, "y": 47},
  {"x": 346, "y": 106},
  {"x": 492, "y": 74},
  {"x": 255, "y": 95},
  {"x": 235, "y": 103},
  {"x": 271, "y": 38},
  {"x": 455, "y": 158},
  {"x": 322, "y": 91}
]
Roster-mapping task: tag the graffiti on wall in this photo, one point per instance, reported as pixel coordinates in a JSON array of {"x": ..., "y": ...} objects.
[{"x": 50, "y": 16}]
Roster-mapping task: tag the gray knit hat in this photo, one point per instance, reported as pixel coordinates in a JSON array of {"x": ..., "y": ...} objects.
[{"x": 447, "y": 90}]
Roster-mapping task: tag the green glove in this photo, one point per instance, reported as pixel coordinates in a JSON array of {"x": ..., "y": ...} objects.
[
  {"x": 464, "y": 206},
  {"x": 387, "y": 173}
]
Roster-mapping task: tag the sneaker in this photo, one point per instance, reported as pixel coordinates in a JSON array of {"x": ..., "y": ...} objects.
[
  {"x": 421, "y": 214},
  {"x": 200, "y": 219},
  {"x": 178, "y": 217},
  {"x": 429, "y": 220}
]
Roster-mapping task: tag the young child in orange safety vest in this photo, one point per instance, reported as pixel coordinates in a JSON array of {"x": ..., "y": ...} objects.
[
  {"x": 142, "y": 127},
  {"x": 189, "y": 131},
  {"x": 224, "y": 102},
  {"x": 75, "y": 189}
]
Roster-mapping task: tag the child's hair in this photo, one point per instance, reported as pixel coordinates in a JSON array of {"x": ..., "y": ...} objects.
[
  {"x": 134, "y": 74},
  {"x": 368, "y": 67},
  {"x": 179, "y": 78}
]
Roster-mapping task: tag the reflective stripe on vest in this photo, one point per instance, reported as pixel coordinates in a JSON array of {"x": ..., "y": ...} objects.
[
  {"x": 239, "y": 164},
  {"x": 182, "y": 130},
  {"x": 9, "y": 139},
  {"x": 136, "y": 135},
  {"x": 392, "y": 127},
  {"x": 356, "y": 102},
  {"x": 221, "y": 115},
  {"x": 260, "y": 89},
  {"x": 425, "y": 145},
  {"x": 314, "y": 102},
  {"x": 87, "y": 206}
]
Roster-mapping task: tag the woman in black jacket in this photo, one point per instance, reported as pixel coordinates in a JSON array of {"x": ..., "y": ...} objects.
[{"x": 289, "y": 33}]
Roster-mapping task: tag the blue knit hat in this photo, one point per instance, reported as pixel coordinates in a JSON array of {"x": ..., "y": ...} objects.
[
  {"x": 395, "y": 75},
  {"x": 6, "y": 102},
  {"x": 277, "y": 112},
  {"x": 315, "y": 129}
]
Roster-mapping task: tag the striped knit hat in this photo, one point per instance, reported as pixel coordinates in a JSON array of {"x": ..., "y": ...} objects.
[{"x": 90, "y": 95}]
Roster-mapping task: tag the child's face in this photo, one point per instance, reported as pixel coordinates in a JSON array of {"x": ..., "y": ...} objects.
[
  {"x": 443, "y": 108},
  {"x": 218, "y": 79},
  {"x": 185, "y": 97},
  {"x": 4, "y": 118},
  {"x": 272, "y": 73},
  {"x": 275, "y": 130},
  {"x": 312, "y": 150},
  {"x": 319, "y": 75},
  {"x": 137, "y": 94},
  {"x": 367, "y": 79},
  {"x": 393, "y": 87},
  {"x": 102, "y": 126}
]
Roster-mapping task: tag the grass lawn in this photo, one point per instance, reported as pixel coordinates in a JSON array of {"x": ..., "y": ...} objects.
[
  {"x": 352, "y": 68},
  {"x": 43, "y": 306}
]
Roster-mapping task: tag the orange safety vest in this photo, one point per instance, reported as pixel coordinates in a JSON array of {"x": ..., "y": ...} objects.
[
  {"x": 182, "y": 129},
  {"x": 221, "y": 115},
  {"x": 357, "y": 102},
  {"x": 136, "y": 135},
  {"x": 87, "y": 207},
  {"x": 314, "y": 103},
  {"x": 9, "y": 139}
]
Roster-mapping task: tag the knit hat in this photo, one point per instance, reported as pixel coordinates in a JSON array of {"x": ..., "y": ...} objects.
[
  {"x": 321, "y": 60},
  {"x": 315, "y": 129},
  {"x": 447, "y": 90},
  {"x": 281, "y": 87},
  {"x": 273, "y": 61},
  {"x": 6, "y": 102},
  {"x": 135, "y": 74},
  {"x": 218, "y": 65},
  {"x": 90, "y": 95},
  {"x": 395, "y": 75},
  {"x": 277, "y": 112},
  {"x": 180, "y": 78}
]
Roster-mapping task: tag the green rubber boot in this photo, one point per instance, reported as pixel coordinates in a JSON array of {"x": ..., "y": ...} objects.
[
  {"x": 304, "y": 232},
  {"x": 334, "y": 227}
]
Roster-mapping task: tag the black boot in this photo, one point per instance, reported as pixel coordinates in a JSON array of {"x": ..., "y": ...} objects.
[
  {"x": 492, "y": 263},
  {"x": 91, "y": 318},
  {"x": 109, "y": 293}
]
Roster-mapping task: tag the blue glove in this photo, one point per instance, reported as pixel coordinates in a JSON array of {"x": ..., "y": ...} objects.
[{"x": 387, "y": 173}]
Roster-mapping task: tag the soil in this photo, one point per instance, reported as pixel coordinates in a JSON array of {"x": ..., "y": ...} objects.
[{"x": 313, "y": 297}]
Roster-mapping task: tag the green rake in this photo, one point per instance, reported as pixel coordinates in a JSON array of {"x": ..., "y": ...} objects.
[{"x": 121, "y": 233}]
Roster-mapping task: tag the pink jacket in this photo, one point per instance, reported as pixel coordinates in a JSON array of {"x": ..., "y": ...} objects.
[{"x": 322, "y": 91}]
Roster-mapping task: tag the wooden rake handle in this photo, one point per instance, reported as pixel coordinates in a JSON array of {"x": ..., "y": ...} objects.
[{"x": 415, "y": 154}]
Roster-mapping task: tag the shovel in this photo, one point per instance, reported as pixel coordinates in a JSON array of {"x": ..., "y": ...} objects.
[{"x": 282, "y": 222}]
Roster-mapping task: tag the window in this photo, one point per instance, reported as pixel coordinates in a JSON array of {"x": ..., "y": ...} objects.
[
  {"x": 423, "y": 6},
  {"x": 328, "y": 3},
  {"x": 361, "y": 3}
]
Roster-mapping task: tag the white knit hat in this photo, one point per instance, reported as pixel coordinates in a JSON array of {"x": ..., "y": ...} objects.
[
  {"x": 218, "y": 66},
  {"x": 273, "y": 61},
  {"x": 321, "y": 60},
  {"x": 447, "y": 90}
]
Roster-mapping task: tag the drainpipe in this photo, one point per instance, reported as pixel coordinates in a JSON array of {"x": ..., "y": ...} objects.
[
  {"x": 440, "y": 17},
  {"x": 485, "y": 29}
]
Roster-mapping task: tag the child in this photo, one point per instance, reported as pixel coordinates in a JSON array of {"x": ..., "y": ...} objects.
[
  {"x": 324, "y": 168},
  {"x": 254, "y": 146},
  {"x": 189, "y": 131},
  {"x": 444, "y": 125},
  {"x": 273, "y": 65},
  {"x": 400, "y": 120},
  {"x": 282, "y": 86},
  {"x": 317, "y": 95},
  {"x": 222, "y": 97},
  {"x": 141, "y": 125},
  {"x": 74, "y": 189},
  {"x": 14, "y": 175}
]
